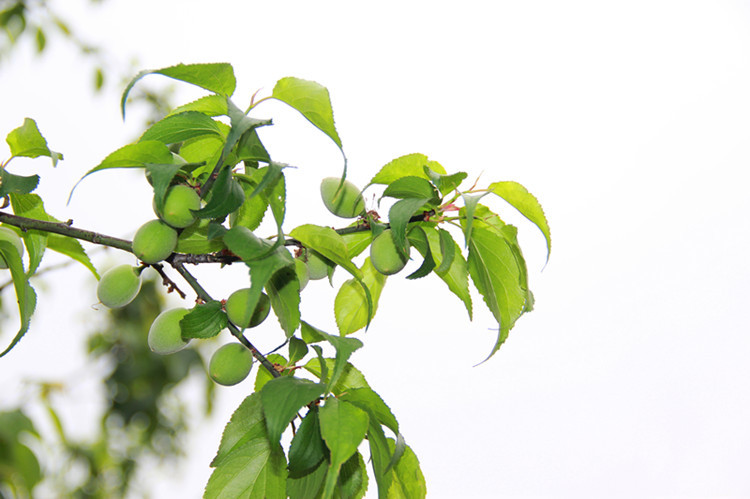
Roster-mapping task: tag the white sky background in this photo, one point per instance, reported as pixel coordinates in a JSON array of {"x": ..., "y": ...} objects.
[{"x": 628, "y": 120}]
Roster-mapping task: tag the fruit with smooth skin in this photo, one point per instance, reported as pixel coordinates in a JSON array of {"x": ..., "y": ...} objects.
[
  {"x": 118, "y": 286},
  {"x": 384, "y": 255},
  {"x": 178, "y": 202},
  {"x": 154, "y": 241},
  {"x": 318, "y": 266},
  {"x": 346, "y": 202},
  {"x": 230, "y": 364},
  {"x": 10, "y": 235},
  {"x": 165, "y": 334},
  {"x": 239, "y": 313}
]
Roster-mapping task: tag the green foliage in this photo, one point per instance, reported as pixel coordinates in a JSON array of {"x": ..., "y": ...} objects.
[{"x": 213, "y": 184}]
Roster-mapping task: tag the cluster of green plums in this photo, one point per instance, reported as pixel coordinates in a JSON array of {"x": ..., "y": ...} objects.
[
  {"x": 155, "y": 240},
  {"x": 345, "y": 200}
]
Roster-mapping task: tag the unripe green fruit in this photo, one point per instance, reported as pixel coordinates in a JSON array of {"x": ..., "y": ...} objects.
[
  {"x": 237, "y": 309},
  {"x": 384, "y": 255},
  {"x": 165, "y": 334},
  {"x": 10, "y": 235},
  {"x": 230, "y": 364},
  {"x": 346, "y": 202},
  {"x": 154, "y": 241},
  {"x": 178, "y": 202},
  {"x": 118, "y": 286},
  {"x": 318, "y": 266}
]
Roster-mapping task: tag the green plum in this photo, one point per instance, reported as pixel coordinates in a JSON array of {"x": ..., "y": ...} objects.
[
  {"x": 154, "y": 241},
  {"x": 230, "y": 364},
  {"x": 118, "y": 286},
  {"x": 237, "y": 309},
  {"x": 384, "y": 255},
  {"x": 165, "y": 334},
  {"x": 178, "y": 202},
  {"x": 346, "y": 202}
]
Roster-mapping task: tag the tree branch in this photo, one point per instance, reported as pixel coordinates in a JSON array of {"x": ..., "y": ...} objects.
[{"x": 66, "y": 229}]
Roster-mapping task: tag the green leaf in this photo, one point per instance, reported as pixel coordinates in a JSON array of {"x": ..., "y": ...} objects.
[
  {"x": 408, "y": 480},
  {"x": 28, "y": 142},
  {"x": 226, "y": 196},
  {"x": 457, "y": 275},
  {"x": 312, "y": 100},
  {"x": 447, "y": 250},
  {"x": 283, "y": 290},
  {"x": 445, "y": 183},
  {"x": 406, "y": 166},
  {"x": 309, "y": 485},
  {"x": 210, "y": 105},
  {"x": 25, "y": 294},
  {"x": 263, "y": 376},
  {"x": 31, "y": 206},
  {"x": 350, "y": 378},
  {"x": 16, "y": 184},
  {"x": 522, "y": 200},
  {"x": 328, "y": 243},
  {"x": 297, "y": 350},
  {"x": 72, "y": 248},
  {"x": 307, "y": 449},
  {"x": 397, "y": 452},
  {"x": 380, "y": 455},
  {"x": 248, "y": 464},
  {"x": 215, "y": 77},
  {"x": 161, "y": 178},
  {"x": 352, "y": 308},
  {"x": 366, "y": 398},
  {"x": 311, "y": 334},
  {"x": 345, "y": 347},
  {"x": 194, "y": 239},
  {"x": 399, "y": 216},
  {"x": 179, "y": 127},
  {"x": 343, "y": 426},
  {"x": 250, "y": 148},
  {"x": 270, "y": 268},
  {"x": 282, "y": 397},
  {"x": 357, "y": 242},
  {"x": 353, "y": 478},
  {"x": 136, "y": 155},
  {"x": 467, "y": 212},
  {"x": 251, "y": 213},
  {"x": 496, "y": 274},
  {"x": 412, "y": 187},
  {"x": 417, "y": 236},
  {"x": 203, "y": 321}
]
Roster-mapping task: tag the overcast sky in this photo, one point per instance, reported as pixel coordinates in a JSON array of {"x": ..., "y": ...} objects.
[{"x": 628, "y": 120}]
